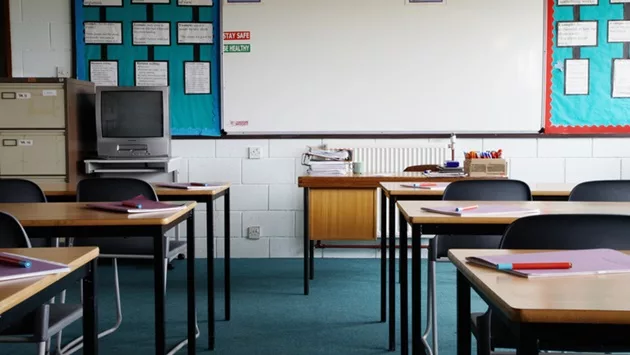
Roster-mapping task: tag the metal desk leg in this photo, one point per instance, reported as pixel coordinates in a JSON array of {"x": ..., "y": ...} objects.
[
  {"x": 392, "y": 272},
  {"x": 190, "y": 269},
  {"x": 210, "y": 272},
  {"x": 159, "y": 292},
  {"x": 527, "y": 342},
  {"x": 416, "y": 279},
  {"x": 90, "y": 311},
  {"x": 227, "y": 256},
  {"x": 463, "y": 315},
  {"x": 383, "y": 258},
  {"x": 306, "y": 240},
  {"x": 311, "y": 259},
  {"x": 404, "y": 308}
]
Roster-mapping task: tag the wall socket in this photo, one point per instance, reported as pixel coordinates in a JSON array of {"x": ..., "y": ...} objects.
[
  {"x": 63, "y": 72},
  {"x": 254, "y": 152},
  {"x": 253, "y": 232}
]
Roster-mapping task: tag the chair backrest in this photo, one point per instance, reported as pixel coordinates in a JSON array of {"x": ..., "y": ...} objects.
[
  {"x": 488, "y": 190},
  {"x": 432, "y": 167},
  {"x": 12, "y": 235},
  {"x": 20, "y": 190},
  {"x": 568, "y": 231},
  {"x": 113, "y": 189},
  {"x": 602, "y": 190}
]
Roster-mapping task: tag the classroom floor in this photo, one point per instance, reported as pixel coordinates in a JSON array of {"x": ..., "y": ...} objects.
[{"x": 270, "y": 315}]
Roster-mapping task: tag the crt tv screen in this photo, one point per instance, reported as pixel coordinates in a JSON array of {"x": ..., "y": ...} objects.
[{"x": 132, "y": 114}]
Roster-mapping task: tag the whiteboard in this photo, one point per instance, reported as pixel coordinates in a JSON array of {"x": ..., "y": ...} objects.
[{"x": 385, "y": 66}]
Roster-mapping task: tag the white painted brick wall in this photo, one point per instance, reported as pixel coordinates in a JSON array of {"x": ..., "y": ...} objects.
[{"x": 265, "y": 191}]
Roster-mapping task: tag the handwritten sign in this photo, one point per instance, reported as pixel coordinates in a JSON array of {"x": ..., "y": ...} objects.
[
  {"x": 103, "y": 32},
  {"x": 237, "y": 36},
  {"x": 151, "y": 33},
  {"x": 194, "y": 32},
  {"x": 577, "y": 34}
]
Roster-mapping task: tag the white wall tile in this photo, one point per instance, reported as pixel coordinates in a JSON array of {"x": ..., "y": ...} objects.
[
  {"x": 238, "y": 148},
  {"x": 513, "y": 148},
  {"x": 535, "y": 170},
  {"x": 244, "y": 248},
  {"x": 60, "y": 35},
  {"x": 290, "y": 148},
  {"x": 565, "y": 148},
  {"x": 247, "y": 198},
  {"x": 218, "y": 169},
  {"x": 46, "y": 11},
  {"x": 201, "y": 250},
  {"x": 286, "y": 247},
  {"x": 182, "y": 175},
  {"x": 586, "y": 169},
  {"x": 286, "y": 197},
  {"x": 410, "y": 142},
  {"x": 269, "y": 171},
  {"x": 17, "y": 64},
  {"x": 200, "y": 225},
  {"x": 198, "y": 148},
  {"x": 349, "y": 143},
  {"x": 30, "y": 36},
  {"x": 625, "y": 169},
  {"x": 15, "y": 12},
  {"x": 300, "y": 169},
  {"x": 611, "y": 147},
  {"x": 299, "y": 224},
  {"x": 33, "y": 67},
  {"x": 272, "y": 223}
]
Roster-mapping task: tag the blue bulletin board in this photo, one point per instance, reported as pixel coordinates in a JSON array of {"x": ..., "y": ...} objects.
[
  {"x": 156, "y": 42},
  {"x": 588, "y": 67}
]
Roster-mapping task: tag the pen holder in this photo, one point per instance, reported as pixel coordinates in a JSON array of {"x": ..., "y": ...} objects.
[{"x": 486, "y": 167}]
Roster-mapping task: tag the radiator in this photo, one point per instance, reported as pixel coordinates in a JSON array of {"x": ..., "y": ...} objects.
[{"x": 396, "y": 159}]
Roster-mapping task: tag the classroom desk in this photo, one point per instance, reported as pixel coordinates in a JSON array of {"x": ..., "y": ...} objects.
[
  {"x": 583, "y": 307},
  {"x": 20, "y": 297},
  {"x": 67, "y": 192},
  {"x": 434, "y": 223},
  {"x": 55, "y": 220},
  {"x": 344, "y": 208}
]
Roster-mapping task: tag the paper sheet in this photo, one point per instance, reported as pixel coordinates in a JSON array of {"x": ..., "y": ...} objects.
[
  {"x": 194, "y": 2},
  {"x": 577, "y": 34},
  {"x": 189, "y": 32},
  {"x": 621, "y": 78},
  {"x": 103, "y": 32},
  {"x": 102, "y": 3},
  {"x": 150, "y": 1},
  {"x": 576, "y": 77},
  {"x": 197, "y": 77},
  {"x": 104, "y": 73},
  {"x": 618, "y": 31},
  {"x": 151, "y": 73},
  {"x": 577, "y": 2},
  {"x": 151, "y": 33}
]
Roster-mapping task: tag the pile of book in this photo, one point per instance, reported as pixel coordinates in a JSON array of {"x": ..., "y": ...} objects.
[{"x": 325, "y": 162}]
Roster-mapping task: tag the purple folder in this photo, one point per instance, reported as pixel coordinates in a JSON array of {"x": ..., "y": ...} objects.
[
  {"x": 584, "y": 262},
  {"x": 143, "y": 204},
  {"x": 193, "y": 186},
  {"x": 38, "y": 267},
  {"x": 482, "y": 210}
]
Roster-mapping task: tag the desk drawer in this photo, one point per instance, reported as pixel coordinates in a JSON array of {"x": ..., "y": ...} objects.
[{"x": 342, "y": 214}]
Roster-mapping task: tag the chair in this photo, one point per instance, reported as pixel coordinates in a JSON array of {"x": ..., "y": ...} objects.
[
  {"x": 20, "y": 191},
  {"x": 602, "y": 190},
  {"x": 432, "y": 167},
  {"x": 578, "y": 231},
  {"x": 49, "y": 319},
  {"x": 118, "y": 189},
  {"x": 468, "y": 190}
]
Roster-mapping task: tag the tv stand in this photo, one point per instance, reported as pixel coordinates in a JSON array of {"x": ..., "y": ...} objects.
[{"x": 134, "y": 166}]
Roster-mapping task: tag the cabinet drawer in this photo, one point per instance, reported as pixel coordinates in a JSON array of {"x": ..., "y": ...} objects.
[
  {"x": 32, "y": 106},
  {"x": 32, "y": 153}
]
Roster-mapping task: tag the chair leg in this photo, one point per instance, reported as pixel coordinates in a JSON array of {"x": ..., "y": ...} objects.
[
  {"x": 433, "y": 309},
  {"x": 77, "y": 343},
  {"x": 41, "y": 348},
  {"x": 63, "y": 300}
]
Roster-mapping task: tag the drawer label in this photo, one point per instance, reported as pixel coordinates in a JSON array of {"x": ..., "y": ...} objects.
[
  {"x": 25, "y": 142},
  {"x": 49, "y": 92},
  {"x": 23, "y": 95}
]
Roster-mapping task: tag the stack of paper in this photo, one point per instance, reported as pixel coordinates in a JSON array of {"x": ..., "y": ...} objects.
[{"x": 329, "y": 168}]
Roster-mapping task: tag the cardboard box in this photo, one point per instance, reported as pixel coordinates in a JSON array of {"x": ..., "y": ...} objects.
[{"x": 485, "y": 167}]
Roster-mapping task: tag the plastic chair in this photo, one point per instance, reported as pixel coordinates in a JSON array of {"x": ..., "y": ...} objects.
[
  {"x": 602, "y": 190},
  {"x": 118, "y": 189},
  {"x": 22, "y": 191},
  {"x": 577, "y": 231},
  {"x": 467, "y": 190},
  {"x": 49, "y": 319}
]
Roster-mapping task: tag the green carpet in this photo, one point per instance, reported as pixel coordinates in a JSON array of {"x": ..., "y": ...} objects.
[{"x": 270, "y": 315}]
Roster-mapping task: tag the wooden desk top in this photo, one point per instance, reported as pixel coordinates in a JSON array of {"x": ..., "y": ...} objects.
[
  {"x": 415, "y": 215},
  {"x": 567, "y": 299},
  {"x": 77, "y": 214},
  {"x": 70, "y": 190},
  {"x": 541, "y": 189},
  {"x": 370, "y": 180},
  {"x": 14, "y": 292}
]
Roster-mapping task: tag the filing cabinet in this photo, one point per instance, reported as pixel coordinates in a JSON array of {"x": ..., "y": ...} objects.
[{"x": 46, "y": 128}]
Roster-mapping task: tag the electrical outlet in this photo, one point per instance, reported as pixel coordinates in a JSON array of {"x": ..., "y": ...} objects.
[
  {"x": 253, "y": 232},
  {"x": 62, "y": 72},
  {"x": 255, "y": 152}
]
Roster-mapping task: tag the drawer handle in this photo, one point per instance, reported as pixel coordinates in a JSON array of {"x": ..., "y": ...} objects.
[{"x": 9, "y": 143}]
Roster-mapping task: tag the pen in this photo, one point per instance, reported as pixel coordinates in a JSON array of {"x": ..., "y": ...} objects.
[
  {"x": 459, "y": 209},
  {"x": 8, "y": 260},
  {"x": 131, "y": 204},
  {"x": 534, "y": 266},
  {"x": 425, "y": 184}
]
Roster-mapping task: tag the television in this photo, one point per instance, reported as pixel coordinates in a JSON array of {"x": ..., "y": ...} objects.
[{"x": 133, "y": 122}]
